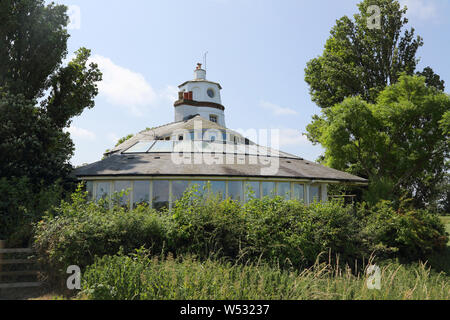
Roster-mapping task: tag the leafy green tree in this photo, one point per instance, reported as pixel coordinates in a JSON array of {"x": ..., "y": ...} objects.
[
  {"x": 38, "y": 97},
  {"x": 361, "y": 60},
  {"x": 399, "y": 142}
]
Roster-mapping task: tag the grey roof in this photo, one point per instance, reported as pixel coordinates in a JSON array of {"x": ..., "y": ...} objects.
[
  {"x": 243, "y": 165},
  {"x": 161, "y": 164}
]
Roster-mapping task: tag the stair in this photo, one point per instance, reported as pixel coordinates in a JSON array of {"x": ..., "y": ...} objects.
[{"x": 18, "y": 269}]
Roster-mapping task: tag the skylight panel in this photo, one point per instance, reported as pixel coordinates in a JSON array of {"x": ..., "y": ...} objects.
[
  {"x": 141, "y": 146},
  {"x": 162, "y": 146}
]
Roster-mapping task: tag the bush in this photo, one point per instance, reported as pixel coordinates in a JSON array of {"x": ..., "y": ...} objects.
[
  {"x": 410, "y": 234},
  {"x": 22, "y": 204},
  {"x": 287, "y": 233},
  {"x": 291, "y": 232},
  {"x": 82, "y": 230}
]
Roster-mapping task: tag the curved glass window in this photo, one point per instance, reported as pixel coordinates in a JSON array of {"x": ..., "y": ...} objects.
[
  {"x": 268, "y": 188},
  {"x": 210, "y": 93},
  {"x": 299, "y": 192},
  {"x": 235, "y": 190},
  {"x": 160, "y": 197},
  {"x": 284, "y": 190},
  {"x": 252, "y": 190},
  {"x": 217, "y": 187},
  {"x": 314, "y": 193},
  {"x": 178, "y": 188},
  {"x": 90, "y": 189},
  {"x": 102, "y": 190},
  {"x": 141, "y": 192},
  {"x": 125, "y": 187}
]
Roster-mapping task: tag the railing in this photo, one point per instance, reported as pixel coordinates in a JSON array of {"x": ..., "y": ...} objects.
[{"x": 10, "y": 273}]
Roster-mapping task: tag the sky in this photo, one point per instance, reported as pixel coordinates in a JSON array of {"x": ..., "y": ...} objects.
[{"x": 257, "y": 51}]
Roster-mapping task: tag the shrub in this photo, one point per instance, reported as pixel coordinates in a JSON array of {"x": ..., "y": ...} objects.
[
  {"x": 204, "y": 225},
  {"x": 287, "y": 233},
  {"x": 293, "y": 233},
  {"x": 22, "y": 204},
  {"x": 410, "y": 234},
  {"x": 82, "y": 230}
]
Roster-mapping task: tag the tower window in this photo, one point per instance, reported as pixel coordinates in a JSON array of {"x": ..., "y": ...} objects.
[
  {"x": 213, "y": 118},
  {"x": 210, "y": 93}
]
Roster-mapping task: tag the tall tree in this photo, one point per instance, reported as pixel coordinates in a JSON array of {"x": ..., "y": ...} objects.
[
  {"x": 39, "y": 96},
  {"x": 401, "y": 143},
  {"x": 361, "y": 58},
  {"x": 33, "y": 45}
]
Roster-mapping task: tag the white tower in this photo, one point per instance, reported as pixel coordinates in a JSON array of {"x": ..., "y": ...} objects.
[{"x": 200, "y": 96}]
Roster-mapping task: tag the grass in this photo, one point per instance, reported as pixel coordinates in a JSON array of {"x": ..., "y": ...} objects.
[{"x": 122, "y": 277}]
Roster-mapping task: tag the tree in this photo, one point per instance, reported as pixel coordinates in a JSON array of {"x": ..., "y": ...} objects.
[
  {"x": 399, "y": 142},
  {"x": 38, "y": 97},
  {"x": 361, "y": 60}
]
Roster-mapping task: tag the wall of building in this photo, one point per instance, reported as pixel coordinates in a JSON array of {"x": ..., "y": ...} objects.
[
  {"x": 163, "y": 192},
  {"x": 183, "y": 111}
]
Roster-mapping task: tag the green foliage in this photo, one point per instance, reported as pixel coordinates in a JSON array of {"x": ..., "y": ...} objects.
[
  {"x": 34, "y": 144},
  {"x": 22, "y": 204},
  {"x": 33, "y": 42},
  {"x": 123, "y": 139},
  {"x": 286, "y": 233},
  {"x": 31, "y": 146},
  {"x": 399, "y": 143},
  {"x": 411, "y": 234},
  {"x": 361, "y": 61},
  {"x": 81, "y": 230},
  {"x": 139, "y": 277}
]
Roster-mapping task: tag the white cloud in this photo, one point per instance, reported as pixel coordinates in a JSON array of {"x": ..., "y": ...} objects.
[
  {"x": 113, "y": 138},
  {"x": 129, "y": 89},
  {"x": 422, "y": 9},
  {"x": 80, "y": 133},
  {"x": 292, "y": 137},
  {"x": 276, "y": 109}
]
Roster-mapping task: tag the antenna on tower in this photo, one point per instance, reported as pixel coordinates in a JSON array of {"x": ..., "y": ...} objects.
[{"x": 204, "y": 59}]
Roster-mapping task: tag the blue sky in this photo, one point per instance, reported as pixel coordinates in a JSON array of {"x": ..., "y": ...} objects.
[{"x": 257, "y": 51}]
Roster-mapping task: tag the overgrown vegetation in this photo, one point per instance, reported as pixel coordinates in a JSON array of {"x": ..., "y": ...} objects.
[
  {"x": 39, "y": 95},
  {"x": 139, "y": 276},
  {"x": 278, "y": 232}
]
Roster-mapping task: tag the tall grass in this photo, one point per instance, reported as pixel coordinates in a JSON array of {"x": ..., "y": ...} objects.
[{"x": 144, "y": 277}]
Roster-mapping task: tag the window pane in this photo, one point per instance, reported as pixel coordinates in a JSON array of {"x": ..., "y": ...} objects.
[
  {"x": 235, "y": 190},
  {"x": 178, "y": 188},
  {"x": 141, "y": 146},
  {"x": 284, "y": 190},
  {"x": 218, "y": 187},
  {"x": 160, "y": 194},
  {"x": 141, "y": 192},
  {"x": 162, "y": 146},
  {"x": 199, "y": 185},
  {"x": 90, "y": 189},
  {"x": 252, "y": 190},
  {"x": 314, "y": 192},
  {"x": 102, "y": 190},
  {"x": 299, "y": 192},
  {"x": 268, "y": 189},
  {"x": 125, "y": 186}
]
